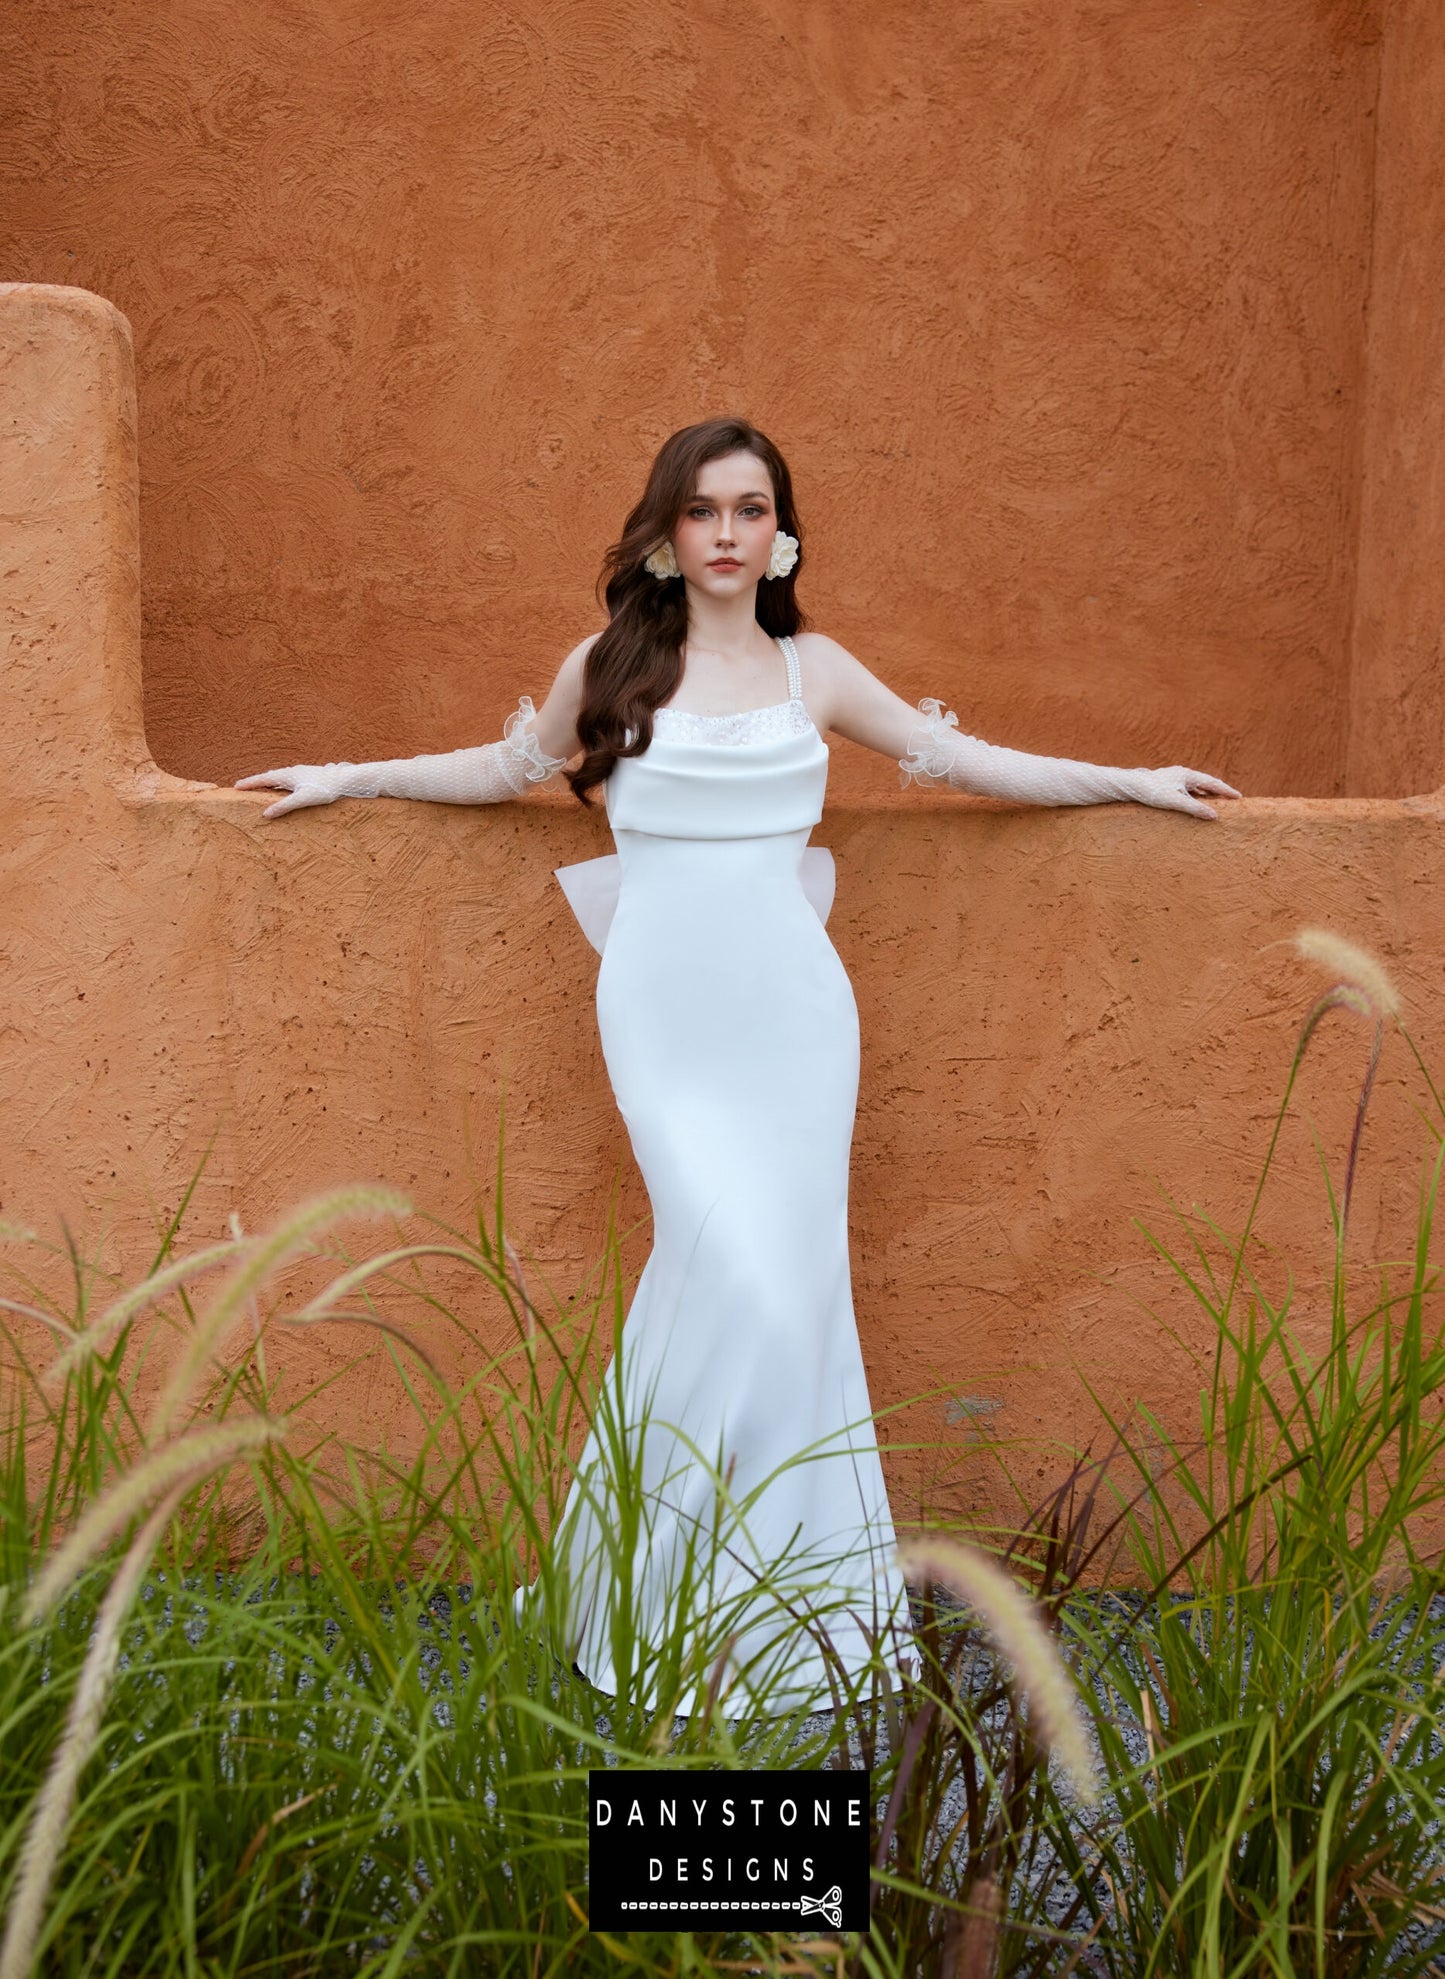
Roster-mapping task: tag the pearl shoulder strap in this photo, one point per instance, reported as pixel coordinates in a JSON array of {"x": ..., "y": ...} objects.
[{"x": 795, "y": 671}]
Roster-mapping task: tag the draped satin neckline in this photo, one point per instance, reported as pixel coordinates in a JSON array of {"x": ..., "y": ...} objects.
[{"x": 745, "y": 774}]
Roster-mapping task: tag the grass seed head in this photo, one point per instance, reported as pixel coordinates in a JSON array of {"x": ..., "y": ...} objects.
[
  {"x": 1019, "y": 1634},
  {"x": 1352, "y": 965},
  {"x": 197, "y": 1453},
  {"x": 263, "y": 1256}
]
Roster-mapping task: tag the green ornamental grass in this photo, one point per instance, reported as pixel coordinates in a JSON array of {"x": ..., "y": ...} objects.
[{"x": 266, "y": 1705}]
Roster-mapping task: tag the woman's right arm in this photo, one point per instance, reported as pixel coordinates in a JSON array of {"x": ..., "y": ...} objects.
[
  {"x": 535, "y": 744},
  {"x": 859, "y": 706}
]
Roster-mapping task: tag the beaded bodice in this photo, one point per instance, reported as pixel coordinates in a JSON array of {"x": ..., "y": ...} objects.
[{"x": 748, "y": 725}]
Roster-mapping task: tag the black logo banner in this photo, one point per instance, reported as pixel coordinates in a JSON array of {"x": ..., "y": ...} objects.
[{"x": 758, "y": 1850}]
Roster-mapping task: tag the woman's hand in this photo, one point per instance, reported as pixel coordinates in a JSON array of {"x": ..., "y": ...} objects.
[
  {"x": 309, "y": 783},
  {"x": 1173, "y": 790}
]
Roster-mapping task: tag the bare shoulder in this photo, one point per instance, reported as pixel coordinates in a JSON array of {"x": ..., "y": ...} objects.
[
  {"x": 830, "y": 676},
  {"x": 826, "y": 653},
  {"x": 556, "y": 723},
  {"x": 573, "y": 667},
  {"x": 567, "y": 684},
  {"x": 849, "y": 698}
]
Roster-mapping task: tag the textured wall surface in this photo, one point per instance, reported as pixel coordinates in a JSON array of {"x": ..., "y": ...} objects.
[
  {"x": 1397, "y": 707},
  {"x": 1064, "y": 1012},
  {"x": 1056, "y": 305}
]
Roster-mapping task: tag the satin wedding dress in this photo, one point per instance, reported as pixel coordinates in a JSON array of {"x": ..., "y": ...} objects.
[
  {"x": 730, "y": 1035},
  {"x": 731, "y": 1038}
]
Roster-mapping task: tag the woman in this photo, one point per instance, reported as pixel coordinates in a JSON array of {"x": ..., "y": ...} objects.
[{"x": 730, "y": 1035}]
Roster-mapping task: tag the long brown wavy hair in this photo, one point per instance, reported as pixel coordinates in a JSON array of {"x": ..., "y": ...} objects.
[{"x": 636, "y": 663}]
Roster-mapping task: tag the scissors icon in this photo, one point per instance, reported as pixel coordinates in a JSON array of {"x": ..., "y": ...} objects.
[{"x": 829, "y": 1906}]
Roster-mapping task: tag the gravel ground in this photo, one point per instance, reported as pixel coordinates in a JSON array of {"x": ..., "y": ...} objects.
[{"x": 1047, "y": 1877}]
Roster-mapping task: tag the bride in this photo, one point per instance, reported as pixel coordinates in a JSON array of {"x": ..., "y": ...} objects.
[{"x": 730, "y": 1035}]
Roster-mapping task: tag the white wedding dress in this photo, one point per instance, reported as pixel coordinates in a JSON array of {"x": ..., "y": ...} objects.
[
  {"x": 730, "y": 1034},
  {"x": 731, "y": 1037}
]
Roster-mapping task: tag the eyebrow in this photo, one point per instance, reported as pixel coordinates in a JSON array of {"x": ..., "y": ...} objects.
[{"x": 752, "y": 495}]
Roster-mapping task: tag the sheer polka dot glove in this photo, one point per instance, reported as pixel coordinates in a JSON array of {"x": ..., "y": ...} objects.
[
  {"x": 937, "y": 753},
  {"x": 486, "y": 775}
]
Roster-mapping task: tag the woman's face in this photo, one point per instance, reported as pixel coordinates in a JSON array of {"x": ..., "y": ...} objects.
[{"x": 724, "y": 537}]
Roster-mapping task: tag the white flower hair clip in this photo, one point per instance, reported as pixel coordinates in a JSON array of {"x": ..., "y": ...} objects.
[
  {"x": 784, "y": 556},
  {"x": 662, "y": 563}
]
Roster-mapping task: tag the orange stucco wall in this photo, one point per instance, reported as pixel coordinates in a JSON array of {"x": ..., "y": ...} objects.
[
  {"x": 1107, "y": 367},
  {"x": 1056, "y": 305},
  {"x": 1063, "y": 1011},
  {"x": 1397, "y": 707}
]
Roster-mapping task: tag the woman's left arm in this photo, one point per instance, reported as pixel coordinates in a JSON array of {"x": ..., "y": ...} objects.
[{"x": 926, "y": 743}]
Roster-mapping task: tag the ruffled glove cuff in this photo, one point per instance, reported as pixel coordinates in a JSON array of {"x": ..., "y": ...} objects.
[
  {"x": 937, "y": 753},
  {"x": 486, "y": 775}
]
